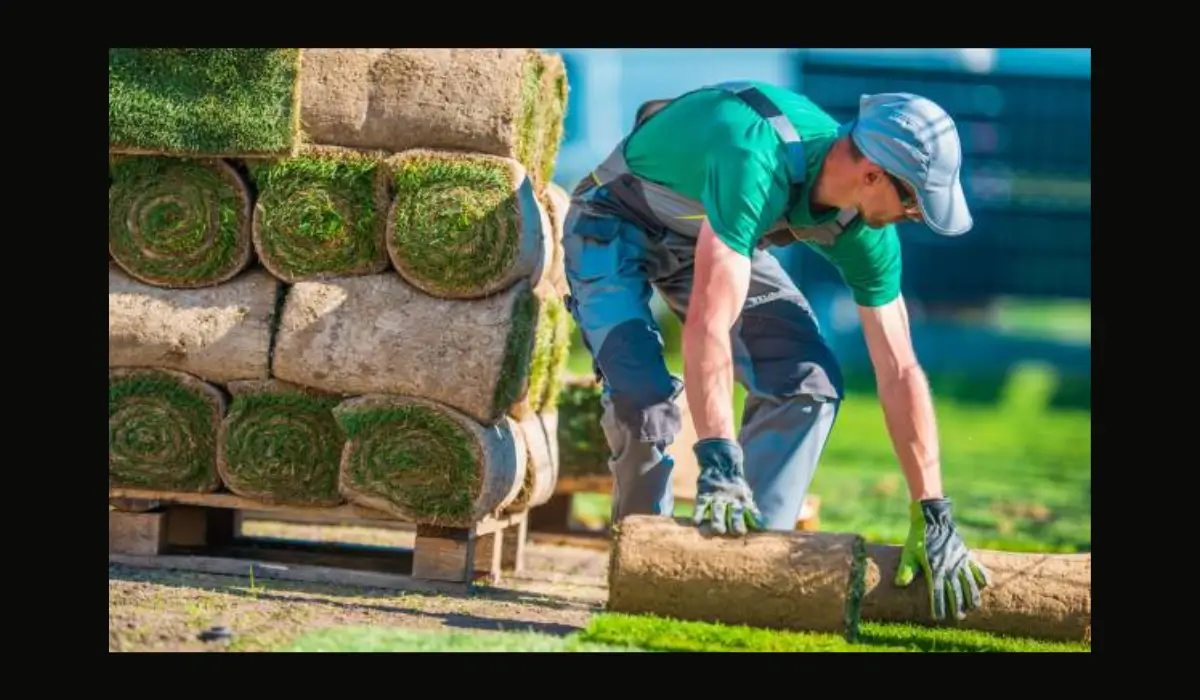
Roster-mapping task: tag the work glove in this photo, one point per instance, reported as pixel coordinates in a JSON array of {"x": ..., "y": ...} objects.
[
  {"x": 952, "y": 576},
  {"x": 722, "y": 494}
]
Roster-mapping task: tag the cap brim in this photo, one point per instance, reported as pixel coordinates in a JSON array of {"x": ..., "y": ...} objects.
[{"x": 945, "y": 209}]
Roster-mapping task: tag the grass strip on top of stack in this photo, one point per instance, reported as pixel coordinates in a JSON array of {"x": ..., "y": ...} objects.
[
  {"x": 583, "y": 449},
  {"x": 178, "y": 222},
  {"x": 424, "y": 462},
  {"x": 203, "y": 102},
  {"x": 376, "y": 334},
  {"x": 220, "y": 334},
  {"x": 280, "y": 444},
  {"x": 321, "y": 213},
  {"x": 162, "y": 430},
  {"x": 465, "y": 225},
  {"x": 474, "y": 100},
  {"x": 555, "y": 91}
]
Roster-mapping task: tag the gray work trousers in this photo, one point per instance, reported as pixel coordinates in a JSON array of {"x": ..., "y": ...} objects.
[{"x": 792, "y": 378}]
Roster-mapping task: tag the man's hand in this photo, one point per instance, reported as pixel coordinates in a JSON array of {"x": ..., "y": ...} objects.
[
  {"x": 952, "y": 576},
  {"x": 722, "y": 494}
]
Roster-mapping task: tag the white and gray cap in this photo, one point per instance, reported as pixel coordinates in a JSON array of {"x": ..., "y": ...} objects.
[{"x": 914, "y": 139}]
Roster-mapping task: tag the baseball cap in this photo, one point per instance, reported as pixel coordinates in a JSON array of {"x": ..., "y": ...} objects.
[{"x": 914, "y": 139}]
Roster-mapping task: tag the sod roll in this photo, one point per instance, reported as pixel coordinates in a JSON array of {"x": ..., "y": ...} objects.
[
  {"x": 556, "y": 202},
  {"x": 555, "y": 93},
  {"x": 179, "y": 222},
  {"x": 1046, "y": 596},
  {"x": 321, "y": 214},
  {"x": 280, "y": 444},
  {"x": 220, "y": 334},
  {"x": 538, "y": 484},
  {"x": 203, "y": 102},
  {"x": 803, "y": 581},
  {"x": 424, "y": 462},
  {"x": 377, "y": 335},
  {"x": 162, "y": 430},
  {"x": 478, "y": 100},
  {"x": 465, "y": 225},
  {"x": 551, "y": 345},
  {"x": 549, "y": 419}
]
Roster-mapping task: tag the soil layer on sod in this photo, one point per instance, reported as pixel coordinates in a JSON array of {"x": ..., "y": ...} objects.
[
  {"x": 162, "y": 430},
  {"x": 321, "y": 214},
  {"x": 203, "y": 102},
  {"x": 465, "y": 225},
  {"x": 426, "y": 463},
  {"x": 179, "y": 222},
  {"x": 280, "y": 444}
]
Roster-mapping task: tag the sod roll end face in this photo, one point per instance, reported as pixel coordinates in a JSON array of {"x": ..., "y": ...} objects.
[
  {"x": 538, "y": 484},
  {"x": 556, "y": 202},
  {"x": 220, "y": 334},
  {"x": 280, "y": 444},
  {"x": 321, "y": 214},
  {"x": 476, "y": 100},
  {"x": 464, "y": 225},
  {"x": 179, "y": 222},
  {"x": 203, "y": 102},
  {"x": 555, "y": 92},
  {"x": 557, "y": 353},
  {"x": 162, "y": 431},
  {"x": 424, "y": 462},
  {"x": 377, "y": 334}
]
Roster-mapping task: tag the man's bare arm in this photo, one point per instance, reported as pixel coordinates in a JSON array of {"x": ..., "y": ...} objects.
[
  {"x": 721, "y": 282},
  {"x": 905, "y": 396}
]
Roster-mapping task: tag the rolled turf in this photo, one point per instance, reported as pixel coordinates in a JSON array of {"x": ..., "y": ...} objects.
[
  {"x": 476, "y": 100},
  {"x": 551, "y": 345},
  {"x": 465, "y": 225},
  {"x": 220, "y": 334},
  {"x": 179, "y": 222},
  {"x": 427, "y": 463},
  {"x": 376, "y": 334},
  {"x": 554, "y": 101},
  {"x": 556, "y": 201},
  {"x": 321, "y": 214},
  {"x": 803, "y": 581},
  {"x": 540, "y": 475},
  {"x": 162, "y": 430},
  {"x": 203, "y": 102},
  {"x": 279, "y": 443}
]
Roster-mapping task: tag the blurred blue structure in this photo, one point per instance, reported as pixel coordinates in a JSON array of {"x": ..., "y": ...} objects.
[{"x": 1025, "y": 119}]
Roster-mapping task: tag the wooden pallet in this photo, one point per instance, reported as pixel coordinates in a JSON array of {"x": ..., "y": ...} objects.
[{"x": 202, "y": 532}]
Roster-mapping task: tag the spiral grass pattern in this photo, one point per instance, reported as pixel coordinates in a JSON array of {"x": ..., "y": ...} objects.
[
  {"x": 554, "y": 105},
  {"x": 162, "y": 430},
  {"x": 178, "y": 222},
  {"x": 281, "y": 445},
  {"x": 419, "y": 460},
  {"x": 456, "y": 227},
  {"x": 321, "y": 214}
]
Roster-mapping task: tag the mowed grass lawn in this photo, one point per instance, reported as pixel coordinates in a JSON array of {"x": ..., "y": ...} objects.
[{"x": 1018, "y": 471}]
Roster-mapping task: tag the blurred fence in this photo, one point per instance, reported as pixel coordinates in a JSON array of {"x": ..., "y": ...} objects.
[{"x": 1027, "y": 174}]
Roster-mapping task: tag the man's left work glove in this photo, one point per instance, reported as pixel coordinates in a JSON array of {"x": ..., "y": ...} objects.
[{"x": 952, "y": 576}]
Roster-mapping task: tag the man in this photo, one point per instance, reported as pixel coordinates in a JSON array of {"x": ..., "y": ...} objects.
[{"x": 687, "y": 203}]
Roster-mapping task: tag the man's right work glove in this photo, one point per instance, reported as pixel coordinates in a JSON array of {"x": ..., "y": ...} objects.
[{"x": 722, "y": 494}]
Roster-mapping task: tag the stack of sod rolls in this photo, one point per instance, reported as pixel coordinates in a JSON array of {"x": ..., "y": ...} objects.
[{"x": 336, "y": 276}]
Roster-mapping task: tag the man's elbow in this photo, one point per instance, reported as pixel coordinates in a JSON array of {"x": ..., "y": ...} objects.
[{"x": 890, "y": 377}]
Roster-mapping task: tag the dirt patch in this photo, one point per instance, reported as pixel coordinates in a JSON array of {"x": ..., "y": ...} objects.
[{"x": 153, "y": 610}]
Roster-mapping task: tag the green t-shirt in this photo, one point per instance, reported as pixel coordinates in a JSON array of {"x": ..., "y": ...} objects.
[{"x": 711, "y": 146}]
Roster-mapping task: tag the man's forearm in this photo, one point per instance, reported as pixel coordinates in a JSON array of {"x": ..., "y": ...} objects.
[
  {"x": 908, "y": 411},
  {"x": 708, "y": 376}
]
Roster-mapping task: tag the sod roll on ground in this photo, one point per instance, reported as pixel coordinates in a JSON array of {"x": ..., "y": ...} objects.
[
  {"x": 321, "y": 213},
  {"x": 179, "y": 222},
  {"x": 465, "y": 225},
  {"x": 162, "y": 430},
  {"x": 204, "y": 102},
  {"x": 280, "y": 444},
  {"x": 220, "y": 333},
  {"x": 503, "y": 102},
  {"x": 424, "y": 462},
  {"x": 376, "y": 334},
  {"x": 804, "y": 581}
]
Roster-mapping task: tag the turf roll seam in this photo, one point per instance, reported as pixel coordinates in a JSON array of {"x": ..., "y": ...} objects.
[
  {"x": 179, "y": 222},
  {"x": 465, "y": 225},
  {"x": 220, "y": 334},
  {"x": 472, "y": 100},
  {"x": 427, "y": 463},
  {"x": 376, "y": 334},
  {"x": 241, "y": 103},
  {"x": 162, "y": 430},
  {"x": 280, "y": 444},
  {"x": 321, "y": 214}
]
